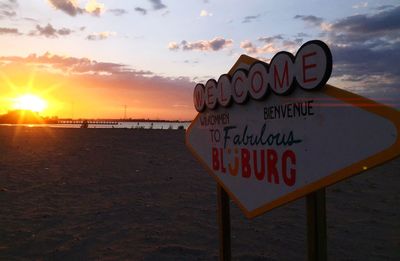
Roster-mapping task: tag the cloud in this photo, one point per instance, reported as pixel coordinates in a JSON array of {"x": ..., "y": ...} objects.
[
  {"x": 8, "y": 9},
  {"x": 270, "y": 39},
  {"x": 250, "y": 18},
  {"x": 100, "y": 36},
  {"x": 68, "y": 6},
  {"x": 49, "y": 31},
  {"x": 378, "y": 24},
  {"x": 173, "y": 46},
  {"x": 157, "y": 4},
  {"x": 70, "y": 65},
  {"x": 71, "y": 7},
  {"x": 94, "y": 8},
  {"x": 118, "y": 11},
  {"x": 5, "y": 30},
  {"x": 141, "y": 10},
  {"x": 310, "y": 19},
  {"x": 204, "y": 13},
  {"x": 360, "y": 5},
  {"x": 384, "y": 7},
  {"x": 216, "y": 44},
  {"x": 251, "y": 49},
  {"x": 366, "y": 51}
]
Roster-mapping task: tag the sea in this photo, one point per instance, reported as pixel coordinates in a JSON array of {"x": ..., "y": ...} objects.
[{"x": 160, "y": 125}]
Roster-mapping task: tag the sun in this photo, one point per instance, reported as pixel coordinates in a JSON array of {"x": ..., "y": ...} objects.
[{"x": 29, "y": 102}]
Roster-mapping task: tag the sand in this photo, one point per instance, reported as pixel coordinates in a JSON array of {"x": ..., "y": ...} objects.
[{"x": 121, "y": 194}]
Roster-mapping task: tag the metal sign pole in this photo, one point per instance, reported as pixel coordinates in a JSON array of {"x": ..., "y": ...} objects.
[
  {"x": 224, "y": 222},
  {"x": 316, "y": 226}
]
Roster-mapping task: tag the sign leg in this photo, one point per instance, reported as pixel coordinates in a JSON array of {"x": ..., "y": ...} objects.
[
  {"x": 316, "y": 226},
  {"x": 224, "y": 222}
]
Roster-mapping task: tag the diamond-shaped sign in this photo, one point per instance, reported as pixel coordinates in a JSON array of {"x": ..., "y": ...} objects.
[{"x": 268, "y": 152}]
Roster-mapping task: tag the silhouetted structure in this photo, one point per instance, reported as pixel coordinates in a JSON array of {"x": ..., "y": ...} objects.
[{"x": 21, "y": 116}]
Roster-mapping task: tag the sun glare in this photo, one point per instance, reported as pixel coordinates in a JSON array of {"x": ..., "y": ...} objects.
[{"x": 30, "y": 102}]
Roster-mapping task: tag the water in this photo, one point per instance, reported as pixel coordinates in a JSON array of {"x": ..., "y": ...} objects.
[{"x": 126, "y": 125}]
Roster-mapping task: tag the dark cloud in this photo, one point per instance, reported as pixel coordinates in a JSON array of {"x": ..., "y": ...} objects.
[
  {"x": 384, "y": 7},
  {"x": 250, "y": 18},
  {"x": 49, "y": 31},
  {"x": 118, "y": 11},
  {"x": 311, "y": 19},
  {"x": 381, "y": 23},
  {"x": 215, "y": 44},
  {"x": 67, "y": 6},
  {"x": 157, "y": 4},
  {"x": 141, "y": 10},
  {"x": 5, "y": 30},
  {"x": 366, "y": 51}
]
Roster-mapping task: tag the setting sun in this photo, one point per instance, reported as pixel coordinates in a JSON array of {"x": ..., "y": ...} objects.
[{"x": 30, "y": 102}]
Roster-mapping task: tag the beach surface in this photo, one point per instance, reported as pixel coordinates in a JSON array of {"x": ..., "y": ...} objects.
[{"x": 122, "y": 194}]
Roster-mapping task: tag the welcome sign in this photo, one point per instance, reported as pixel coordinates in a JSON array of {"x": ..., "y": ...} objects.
[{"x": 271, "y": 133}]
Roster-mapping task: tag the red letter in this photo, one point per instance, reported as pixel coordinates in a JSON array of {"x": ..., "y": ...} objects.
[
  {"x": 209, "y": 94},
  {"x": 234, "y": 87},
  {"x": 246, "y": 169},
  {"x": 215, "y": 160},
  {"x": 272, "y": 159},
  {"x": 259, "y": 174},
  {"x": 292, "y": 179},
  {"x": 285, "y": 75},
  {"x": 252, "y": 82},
  {"x": 223, "y": 98},
  {"x": 305, "y": 67},
  {"x": 223, "y": 169},
  {"x": 199, "y": 99}
]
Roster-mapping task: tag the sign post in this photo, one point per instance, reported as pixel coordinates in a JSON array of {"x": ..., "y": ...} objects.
[
  {"x": 316, "y": 226},
  {"x": 224, "y": 223},
  {"x": 272, "y": 133}
]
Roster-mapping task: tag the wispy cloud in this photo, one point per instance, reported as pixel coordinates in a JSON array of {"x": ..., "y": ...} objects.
[
  {"x": 205, "y": 13},
  {"x": 6, "y": 30},
  {"x": 100, "y": 36},
  {"x": 250, "y": 18},
  {"x": 141, "y": 10},
  {"x": 117, "y": 11},
  {"x": 49, "y": 31},
  {"x": 310, "y": 19},
  {"x": 8, "y": 8},
  {"x": 216, "y": 44},
  {"x": 157, "y": 4},
  {"x": 360, "y": 5},
  {"x": 270, "y": 39}
]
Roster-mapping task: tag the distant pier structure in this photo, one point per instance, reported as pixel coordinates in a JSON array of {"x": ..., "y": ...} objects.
[{"x": 97, "y": 122}]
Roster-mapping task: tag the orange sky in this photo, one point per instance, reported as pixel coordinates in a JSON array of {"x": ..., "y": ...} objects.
[{"x": 82, "y": 88}]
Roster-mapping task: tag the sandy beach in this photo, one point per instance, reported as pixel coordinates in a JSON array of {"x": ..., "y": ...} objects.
[{"x": 123, "y": 194}]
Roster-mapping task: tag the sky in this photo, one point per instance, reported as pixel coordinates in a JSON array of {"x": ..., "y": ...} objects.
[{"x": 94, "y": 59}]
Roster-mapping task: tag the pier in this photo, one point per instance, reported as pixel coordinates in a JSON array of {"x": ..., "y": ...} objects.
[{"x": 98, "y": 122}]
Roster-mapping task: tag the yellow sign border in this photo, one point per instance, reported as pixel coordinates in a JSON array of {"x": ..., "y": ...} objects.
[{"x": 371, "y": 106}]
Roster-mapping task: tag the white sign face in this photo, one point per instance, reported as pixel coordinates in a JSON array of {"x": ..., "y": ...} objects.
[{"x": 271, "y": 151}]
